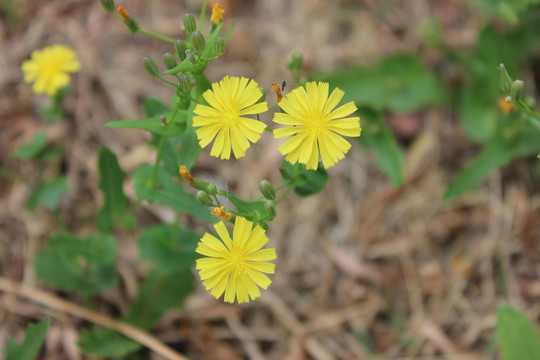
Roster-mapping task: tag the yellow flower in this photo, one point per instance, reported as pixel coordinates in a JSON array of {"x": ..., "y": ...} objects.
[
  {"x": 236, "y": 266},
  {"x": 315, "y": 128},
  {"x": 229, "y": 100},
  {"x": 217, "y": 14},
  {"x": 48, "y": 68}
]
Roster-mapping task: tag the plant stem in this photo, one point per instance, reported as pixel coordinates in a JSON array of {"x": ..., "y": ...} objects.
[
  {"x": 203, "y": 15},
  {"x": 157, "y": 36},
  {"x": 284, "y": 195}
]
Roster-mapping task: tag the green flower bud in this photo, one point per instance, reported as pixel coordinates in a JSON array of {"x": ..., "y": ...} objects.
[
  {"x": 295, "y": 62},
  {"x": 517, "y": 90},
  {"x": 169, "y": 60},
  {"x": 270, "y": 209},
  {"x": 505, "y": 81},
  {"x": 212, "y": 190},
  {"x": 267, "y": 190},
  {"x": 197, "y": 39},
  {"x": 185, "y": 83},
  {"x": 189, "y": 24},
  {"x": 219, "y": 46},
  {"x": 190, "y": 56},
  {"x": 263, "y": 97},
  {"x": 204, "y": 198},
  {"x": 108, "y": 5},
  {"x": 180, "y": 47},
  {"x": 150, "y": 66}
]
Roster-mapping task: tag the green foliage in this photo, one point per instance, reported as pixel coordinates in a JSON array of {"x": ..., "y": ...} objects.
[
  {"x": 251, "y": 210},
  {"x": 48, "y": 194},
  {"x": 377, "y": 136},
  {"x": 171, "y": 249},
  {"x": 154, "y": 124},
  {"x": 110, "y": 182},
  {"x": 516, "y": 335},
  {"x": 106, "y": 343},
  {"x": 28, "y": 350},
  {"x": 167, "y": 193},
  {"x": 304, "y": 182},
  {"x": 32, "y": 149},
  {"x": 78, "y": 264},
  {"x": 399, "y": 83}
]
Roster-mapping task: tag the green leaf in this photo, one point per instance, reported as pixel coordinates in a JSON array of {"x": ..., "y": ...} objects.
[
  {"x": 51, "y": 153},
  {"x": 251, "y": 210},
  {"x": 400, "y": 83},
  {"x": 168, "y": 194},
  {"x": 153, "y": 106},
  {"x": 169, "y": 248},
  {"x": 479, "y": 115},
  {"x": 517, "y": 336},
  {"x": 170, "y": 158},
  {"x": 34, "y": 338},
  {"x": 48, "y": 194},
  {"x": 153, "y": 124},
  {"x": 31, "y": 149},
  {"x": 378, "y": 137},
  {"x": 78, "y": 264},
  {"x": 190, "y": 148},
  {"x": 111, "y": 179},
  {"x": 106, "y": 343},
  {"x": 158, "y": 294},
  {"x": 497, "y": 153},
  {"x": 305, "y": 182}
]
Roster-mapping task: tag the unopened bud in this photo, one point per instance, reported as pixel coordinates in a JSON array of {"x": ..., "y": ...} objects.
[
  {"x": 270, "y": 209},
  {"x": 505, "y": 81},
  {"x": 263, "y": 97},
  {"x": 204, "y": 198},
  {"x": 189, "y": 24},
  {"x": 197, "y": 39},
  {"x": 295, "y": 62},
  {"x": 131, "y": 23},
  {"x": 108, "y": 5},
  {"x": 211, "y": 189},
  {"x": 169, "y": 60},
  {"x": 267, "y": 190},
  {"x": 185, "y": 83},
  {"x": 150, "y": 66},
  {"x": 190, "y": 56},
  {"x": 180, "y": 47},
  {"x": 517, "y": 90},
  {"x": 184, "y": 173},
  {"x": 219, "y": 46}
]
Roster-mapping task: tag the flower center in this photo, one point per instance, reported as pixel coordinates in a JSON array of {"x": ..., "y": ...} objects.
[{"x": 51, "y": 67}]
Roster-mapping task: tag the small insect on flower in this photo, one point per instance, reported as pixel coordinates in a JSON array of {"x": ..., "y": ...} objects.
[
  {"x": 49, "y": 67},
  {"x": 314, "y": 126},
  {"x": 224, "y": 117},
  {"x": 236, "y": 266}
]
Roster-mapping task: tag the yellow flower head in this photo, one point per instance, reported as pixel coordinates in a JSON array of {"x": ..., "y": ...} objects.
[
  {"x": 223, "y": 119},
  {"x": 314, "y": 126},
  {"x": 236, "y": 266},
  {"x": 217, "y": 14},
  {"x": 48, "y": 68}
]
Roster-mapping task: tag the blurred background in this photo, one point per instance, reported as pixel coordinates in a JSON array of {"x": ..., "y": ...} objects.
[{"x": 405, "y": 254}]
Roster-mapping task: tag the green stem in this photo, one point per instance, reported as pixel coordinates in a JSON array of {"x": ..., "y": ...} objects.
[
  {"x": 269, "y": 130},
  {"x": 167, "y": 81},
  {"x": 158, "y": 158},
  {"x": 203, "y": 15},
  {"x": 284, "y": 195},
  {"x": 157, "y": 36}
]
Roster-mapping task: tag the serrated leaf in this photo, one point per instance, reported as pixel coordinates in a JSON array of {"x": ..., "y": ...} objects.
[
  {"x": 251, "y": 210},
  {"x": 78, "y": 264},
  {"x": 34, "y": 338},
  {"x": 168, "y": 194},
  {"x": 516, "y": 335},
  {"x": 189, "y": 148},
  {"x": 111, "y": 179},
  {"x": 158, "y": 294},
  {"x": 169, "y": 248},
  {"x": 32, "y": 149},
  {"x": 106, "y": 343},
  {"x": 48, "y": 194},
  {"x": 305, "y": 182},
  {"x": 400, "y": 83},
  {"x": 378, "y": 137}
]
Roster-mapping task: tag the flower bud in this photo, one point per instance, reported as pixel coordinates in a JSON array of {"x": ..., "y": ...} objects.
[
  {"x": 131, "y": 23},
  {"x": 211, "y": 189},
  {"x": 295, "y": 62},
  {"x": 219, "y": 46},
  {"x": 185, "y": 83},
  {"x": 169, "y": 60},
  {"x": 517, "y": 90},
  {"x": 150, "y": 66},
  {"x": 505, "y": 81},
  {"x": 204, "y": 198},
  {"x": 197, "y": 39},
  {"x": 108, "y": 5},
  {"x": 189, "y": 24},
  {"x": 180, "y": 47},
  {"x": 263, "y": 97},
  {"x": 190, "y": 56},
  {"x": 267, "y": 190},
  {"x": 270, "y": 209}
]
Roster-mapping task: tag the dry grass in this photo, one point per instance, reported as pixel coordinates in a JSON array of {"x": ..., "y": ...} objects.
[{"x": 361, "y": 265}]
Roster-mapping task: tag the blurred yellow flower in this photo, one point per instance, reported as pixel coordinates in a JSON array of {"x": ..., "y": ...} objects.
[
  {"x": 48, "y": 68},
  {"x": 223, "y": 119},
  {"x": 217, "y": 14},
  {"x": 315, "y": 128},
  {"x": 236, "y": 266}
]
